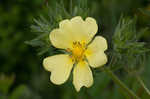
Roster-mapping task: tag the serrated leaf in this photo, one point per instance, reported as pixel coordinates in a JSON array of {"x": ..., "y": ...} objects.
[
  {"x": 127, "y": 45},
  {"x": 35, "y": 43},
  {"x": 44, "y": 25}
]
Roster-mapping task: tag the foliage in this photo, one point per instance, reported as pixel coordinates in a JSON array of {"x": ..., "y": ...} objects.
[
  {"x": 129, "y": 51},
  {"x": 21, "y": 71}
]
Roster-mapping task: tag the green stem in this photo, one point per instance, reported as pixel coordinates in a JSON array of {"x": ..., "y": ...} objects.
[
  {"x": 143, "y": 85},
  {"x": 120, "y": 83}
]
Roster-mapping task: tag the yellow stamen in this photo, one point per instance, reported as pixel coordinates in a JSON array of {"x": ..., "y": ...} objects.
[{"x": 77, "y": 53}]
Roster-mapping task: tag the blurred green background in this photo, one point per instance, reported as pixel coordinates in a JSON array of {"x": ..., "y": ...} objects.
[{"x": 22, "y": 75}]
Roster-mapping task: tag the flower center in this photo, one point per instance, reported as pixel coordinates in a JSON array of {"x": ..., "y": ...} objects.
[{"x": 77, "y": 53}]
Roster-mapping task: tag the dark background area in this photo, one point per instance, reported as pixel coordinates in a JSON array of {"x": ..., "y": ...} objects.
[{"x": 22, "y": 75}]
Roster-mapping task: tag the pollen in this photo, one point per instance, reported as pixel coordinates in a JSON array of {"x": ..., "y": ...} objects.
[{"x": 77, "y": 52}]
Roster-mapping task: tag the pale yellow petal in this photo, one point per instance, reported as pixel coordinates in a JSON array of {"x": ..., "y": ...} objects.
[
  {"x": 77, "y": 20},
  {"x": 95, "y": 52},
  {"x": 64, "y": 24},
  {"x": 97, "y": 59},
  {"x": 84, "y": 30},
  {"x": 79, "y": 30},
  {"x": 73, "y": 30},
  {"x": 82, "y": 76},
  {"x": 60, "y": 67},
  {"x": 60, "y": 39},
  {"x": 99, "y": 43},
  {"x": 91, "y": 26},
  {"x": 69, "y": 31}
]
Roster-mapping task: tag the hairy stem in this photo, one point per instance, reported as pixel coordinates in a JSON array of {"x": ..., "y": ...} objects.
[
  {"x": 143, "y": 85},
  {"x": 120, "y": 83}
]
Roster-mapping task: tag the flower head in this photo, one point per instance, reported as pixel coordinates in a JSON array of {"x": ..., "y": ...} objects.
[{"x": 75, "y": 37}]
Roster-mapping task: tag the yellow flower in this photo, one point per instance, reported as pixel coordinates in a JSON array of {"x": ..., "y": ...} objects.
[{"x": 75, "y": 37}]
